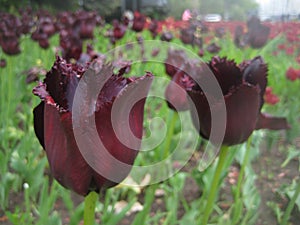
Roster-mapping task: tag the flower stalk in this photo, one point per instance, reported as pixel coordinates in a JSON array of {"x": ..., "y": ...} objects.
[
  {"x": 214, "y": 189},
  {"x": 290, "y": 206},
  {"x": 89, "y": 208},
  {"x": 237, "y": 194},
  {"x": 171, "y": 125}
]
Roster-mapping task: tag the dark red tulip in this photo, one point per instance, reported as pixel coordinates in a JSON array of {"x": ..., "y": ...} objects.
[
  {"x": 298, "y": 59},
  {"x": 270, "y": 98},
  {"x": 44, "y": 43},
  {"x": 87, "y": 29},
  {"x": 2, "y": 63},
  {"x": 292, "y": 74},
  {"x": 220, "y": 32},
  {"x": 239, "y": 37},
  {"x": 243, "y": 87},
  {"x": 118, "y": 30},
  {"x": 213, "y": 48},
  {"x": 166, "y": 36},
  {"x": 48, "y": 27},
  {"x": 33, "y": 74},
  {"x": 139, "y": 22},
  {"x": 201, "y": 52},
  {"x": 175, "y": 93},
  {"x": 290, "y": 50},
  {"x": 258, "y": 33},
  {"x": 187, "y": 35},
  {"x": 153, "y": 28},
  {"x": 10, "y": 44},
  {"x": 155, "y": 52},
  {"x": 175, "y": 59},
  {"x": 71, "y": 45},
  {"x": 55, "y": 129}
]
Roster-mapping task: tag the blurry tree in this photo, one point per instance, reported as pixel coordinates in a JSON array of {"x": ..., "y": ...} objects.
[
  {"x": 240, "y": 9},
  {"x": 177, "y": 7},
  {"x": 13, "y": 5},
  {"x": 229, "y": 9},
  {"x": 106, "y": 8},
  {"x": 109, "y": 9},
  {"x": 51, "y": 5},
  {"x": 216, "y": 6},
  {"x": 55, "y": 5}
]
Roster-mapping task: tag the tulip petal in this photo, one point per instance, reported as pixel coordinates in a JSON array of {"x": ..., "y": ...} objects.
[
  {"x": 175, "y": 93},
  {"x": 114, "y": 131},
  {"x": 38, "y": 122},
  {"x": 175, "y": 60},
  {"x": 242, "y": 106},
  {"x": 61, "y": 82},
  {"x": 111, "y": 89},
  {"x": 266, "y": 121},
  {"x": 202, "y": 115},
  {"x": 226, "y": 72},
  {"x": 66, "y": 162},
  {"x": 255, "y": 72},
  {"x": 242, "y": 110}
]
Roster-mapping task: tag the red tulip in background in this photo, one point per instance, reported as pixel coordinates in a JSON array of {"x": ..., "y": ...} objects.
[
  {"x": 139, "y": 22},
  {"x": 54, "y": 129},
  {"x": 270, "y": 97},
  {"x": 243, "y": 88},
  {"x": 292, "y": 74},
  {"x": 2, "y": 63}
]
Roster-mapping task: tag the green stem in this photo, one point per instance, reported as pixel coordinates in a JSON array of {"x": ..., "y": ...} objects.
[
  {"x": 213, "y": 191},
  {"x": 89, "y": 208},
  {"x": 240, "y": 180},
  {"x": 171, "y": 125},
  {"x": 290, "y": 206}
]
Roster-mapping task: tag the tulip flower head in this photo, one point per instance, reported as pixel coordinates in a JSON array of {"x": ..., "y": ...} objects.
[
  {"x": 139, "y": 22},
  {"x": 243, "y": 87},
  {"x": 258, "y": 34},
  {"x": 55, "y": 129}
]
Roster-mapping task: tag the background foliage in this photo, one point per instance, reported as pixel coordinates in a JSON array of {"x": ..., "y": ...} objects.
[{"x": 232, "y": 9}]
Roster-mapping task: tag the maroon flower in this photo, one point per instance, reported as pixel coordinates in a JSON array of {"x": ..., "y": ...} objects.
[
  {"x": 71, "y": 45},
  {"x": 239, "y": 37},
  {"x": 243, "y": 89},
  {"x": 153, "y": 28},
  {"x": 87, "y": 29},
  {"x": 2, "y": 63},
  {"x": 201, "y": 52},
  {"x": 220, "y": 32},
  {"x": 187, "y": 35},
  {"x": 166, "y": 36},
  {"x": 175, "y": 93},
  {"x": 270, "y": 98},
  {"x": 33, "y": 74},
  {"x": 175, "y": 59},
  {"x": 118, "y": 30},
  {"x": 10, "y": 43},
  {"x": 292, "y": 74},
  {"x": 44, "y": 42},
  {"x": 213, "y": 48},
  {"x": 55, "y": 129},
  {"x": 155, "y": 52},
  {"x": 139, "y": 21},
  {"x": 258, "y": 33}
]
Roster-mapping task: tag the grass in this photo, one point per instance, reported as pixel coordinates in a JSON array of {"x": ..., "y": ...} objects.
[{"x": 29, "y": 195}]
